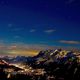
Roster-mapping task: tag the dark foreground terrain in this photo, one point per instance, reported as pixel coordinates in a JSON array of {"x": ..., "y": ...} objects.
[{"x": 47, "y": 65}]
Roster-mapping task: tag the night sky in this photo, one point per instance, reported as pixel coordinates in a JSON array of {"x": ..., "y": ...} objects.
[{"x": 40, "y": 22}]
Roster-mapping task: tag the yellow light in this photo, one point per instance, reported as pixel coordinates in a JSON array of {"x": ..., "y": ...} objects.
[{"x": 23, "y": 52}]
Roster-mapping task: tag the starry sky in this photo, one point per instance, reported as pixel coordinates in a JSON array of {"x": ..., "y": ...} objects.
[{"x": 40, "y": 23}]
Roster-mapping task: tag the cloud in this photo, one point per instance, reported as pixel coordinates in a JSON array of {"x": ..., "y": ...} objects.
[
  {"x": 20, "y": 48},
  {"x": 69, "y": 42},
  {"x": 16, "y": 37},
  {"x": 69, "y": 1},
  {"x": 12, "y": 47},
  {"x": 43, "y": 42},
  {"x": 32, "y": 30},
  {"x": 3, "y": 3},
  {"x": 17, "y": 29},
  {"x": 10, "y": 25},
  {"x": 49, "y": 31}
]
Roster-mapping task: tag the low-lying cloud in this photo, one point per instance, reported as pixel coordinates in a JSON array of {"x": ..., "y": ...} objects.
[{"x": 69, "y": 42}]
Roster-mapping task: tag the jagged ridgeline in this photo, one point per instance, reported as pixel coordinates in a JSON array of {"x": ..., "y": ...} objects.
[
  {"x": 62, "y": 64},
  {"x": 47, "y": 65}
]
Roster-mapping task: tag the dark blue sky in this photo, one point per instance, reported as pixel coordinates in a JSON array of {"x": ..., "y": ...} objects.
[{"x": 51, "y": 22}]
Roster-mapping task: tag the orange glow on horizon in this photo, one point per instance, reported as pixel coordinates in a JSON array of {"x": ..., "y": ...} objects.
[{"x": 23, "y": 52}]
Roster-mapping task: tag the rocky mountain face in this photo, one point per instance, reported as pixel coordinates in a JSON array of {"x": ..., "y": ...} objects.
[
  {"x": 59, "y": 56},
  {"x": 48, "y": 65}
]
